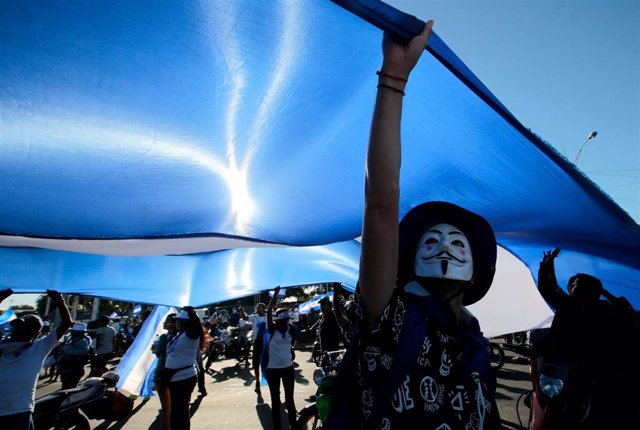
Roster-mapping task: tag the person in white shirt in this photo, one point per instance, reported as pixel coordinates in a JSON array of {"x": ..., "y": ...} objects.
[
  {"x": 21, "y": 357},
  {"x": 282, "y": 338},
  {"x": 244, "y": 327},
  {"x": 105, "y": 337},
  {"x": 179, "y": 373},
  {"x": 258, "y": 323}
]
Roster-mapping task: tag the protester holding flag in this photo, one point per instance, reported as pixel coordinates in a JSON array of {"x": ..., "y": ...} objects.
[
  {"x": 279, "y": 361},
  {"x": 419, "y": 355},
  {"x": 21, "y": 358}
]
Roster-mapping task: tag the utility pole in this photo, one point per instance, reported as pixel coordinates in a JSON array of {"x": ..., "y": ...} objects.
[{"x": 95, "y": 308}]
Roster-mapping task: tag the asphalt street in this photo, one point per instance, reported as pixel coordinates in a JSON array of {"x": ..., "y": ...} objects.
[{"x": 231, "y": 402}]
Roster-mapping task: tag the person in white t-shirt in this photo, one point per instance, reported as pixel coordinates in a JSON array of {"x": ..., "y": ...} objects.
[
  {"x": 105, "y": 337},
  {"x": 244, "y": 327},
  {"x": 282, "y": 338},
  {"x": 258, "y": 323},
  {"x": 21, "y": 358},
  {"x": 179, "y": 373}
]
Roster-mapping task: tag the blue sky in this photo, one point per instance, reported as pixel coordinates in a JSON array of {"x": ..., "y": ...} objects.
[{"x": 564, "y": 68}]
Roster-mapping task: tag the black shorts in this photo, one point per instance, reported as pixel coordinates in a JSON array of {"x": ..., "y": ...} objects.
[{"x": 257, "y": 351}]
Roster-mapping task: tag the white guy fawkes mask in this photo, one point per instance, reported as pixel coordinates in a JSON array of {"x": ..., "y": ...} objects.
[{"x": 444, "y": 252}]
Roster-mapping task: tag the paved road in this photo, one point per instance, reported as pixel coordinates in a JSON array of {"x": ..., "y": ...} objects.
[{"x": 231, "y": 402}]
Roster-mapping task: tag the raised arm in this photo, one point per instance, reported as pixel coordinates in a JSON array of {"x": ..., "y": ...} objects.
[
  {"x": 196, "y": 330},
  {"x": 271, "y": 306},
  {"x": 379, "y": 252},
  {"x": 63, "y": 311},
  {"x": 547, "y": 282}
]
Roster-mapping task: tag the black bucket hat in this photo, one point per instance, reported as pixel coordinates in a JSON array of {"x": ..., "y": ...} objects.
[{"x": 476, "y": 228}]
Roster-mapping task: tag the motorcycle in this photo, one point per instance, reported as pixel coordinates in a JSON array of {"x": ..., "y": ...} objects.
[
  {"x": 560, "y": 395},
  {"x": 514, "y": 342},
  {"x": 233, "y": 350},
  {"x": 95, "y": 398},
  {"x": 324, "y": 376},
  {"x": 316, "y": 353}
]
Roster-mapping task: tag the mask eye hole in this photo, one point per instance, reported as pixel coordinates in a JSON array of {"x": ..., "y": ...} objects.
[
  {"x": 458, "y": 243},
  {"x": 431, "y": 241}
]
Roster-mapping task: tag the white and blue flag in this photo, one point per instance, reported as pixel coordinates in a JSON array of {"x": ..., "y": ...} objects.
[
  {"x": 138, "y": 364},
  {"x": 314, "y": 303}
]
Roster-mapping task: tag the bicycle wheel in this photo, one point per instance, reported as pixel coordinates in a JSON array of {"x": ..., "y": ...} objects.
[
  {"x": 308, "y": 418},
  {"x": 496, "y": 355}
]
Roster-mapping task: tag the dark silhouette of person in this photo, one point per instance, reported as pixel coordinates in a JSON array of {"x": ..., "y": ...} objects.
[
  {"x": 590, "y": 347},
  {"x": 330, "y": 330}
]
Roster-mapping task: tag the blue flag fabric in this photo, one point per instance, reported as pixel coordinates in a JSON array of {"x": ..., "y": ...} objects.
[
  {"x": 313, "y": 303},
  {"x": 137, "y": 140},
  {"x": 7, "y": 316}
]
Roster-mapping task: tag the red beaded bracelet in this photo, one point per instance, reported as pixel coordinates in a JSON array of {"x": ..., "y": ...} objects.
[{"x": 395, "y": 78}]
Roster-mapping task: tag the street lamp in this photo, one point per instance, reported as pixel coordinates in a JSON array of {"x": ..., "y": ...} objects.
[{"x": 589, "y": 137}]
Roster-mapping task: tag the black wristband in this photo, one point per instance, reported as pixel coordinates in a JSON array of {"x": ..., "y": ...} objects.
[{"x": 389, "y": 87}]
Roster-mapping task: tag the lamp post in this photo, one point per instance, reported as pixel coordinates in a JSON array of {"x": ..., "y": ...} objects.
[{"x": 589, "y": 137}]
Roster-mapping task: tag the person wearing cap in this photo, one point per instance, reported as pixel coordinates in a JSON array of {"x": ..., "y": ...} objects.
[
  {"x": 278, "y": 361},
  {"x": 419, "y": 356},
  {"x": 179, "y": 373},
  {"x": 75, "y": 355},
  {"x": 21, "y": 357}
]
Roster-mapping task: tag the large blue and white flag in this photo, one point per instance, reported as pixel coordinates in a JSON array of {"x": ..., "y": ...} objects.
[
  {"x": 138, "y": 363},
  {"x": 137, "y": 309}
]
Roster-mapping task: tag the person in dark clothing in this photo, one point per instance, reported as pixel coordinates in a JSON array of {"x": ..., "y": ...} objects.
[
  {"x": 420, "y": 356},
  {"x": 159, "y": 348},
  {"x": 593, "y": 339},
  {"x": 330, "y": 330}
]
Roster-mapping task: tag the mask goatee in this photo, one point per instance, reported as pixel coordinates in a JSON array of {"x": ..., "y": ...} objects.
[{"x": 445, "y": 265}]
